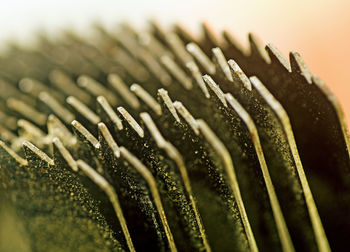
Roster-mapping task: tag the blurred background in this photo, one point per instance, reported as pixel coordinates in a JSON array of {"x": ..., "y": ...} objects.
[{"x": 318, "y": 29}]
